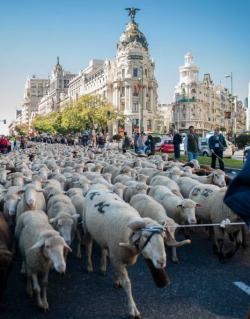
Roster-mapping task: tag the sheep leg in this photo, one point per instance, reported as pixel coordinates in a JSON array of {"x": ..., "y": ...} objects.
[
  {"x": 89, "y": 246},
  {"x": 126, "y": 284},
  {"x": 23, "y": 268},
  {"x": 44, "y": 291},
  {"x": 103, "y": 267},
  {"x": 37, "y": 290},
  {"x": 174, "y": 256},
  {"x": 79, "y": 244},
  {"x": 29, "y": 288}
]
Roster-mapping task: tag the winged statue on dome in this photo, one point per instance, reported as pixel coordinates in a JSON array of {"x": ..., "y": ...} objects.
[{"x": 132, "y": 13}]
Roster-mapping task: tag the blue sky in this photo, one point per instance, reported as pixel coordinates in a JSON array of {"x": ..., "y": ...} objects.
[{"x": 33, "y": 33}]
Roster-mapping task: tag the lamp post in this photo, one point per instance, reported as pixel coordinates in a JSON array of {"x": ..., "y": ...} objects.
[
  {"x": 142, "y": 101},
  {"x": 234, "y": 100}
]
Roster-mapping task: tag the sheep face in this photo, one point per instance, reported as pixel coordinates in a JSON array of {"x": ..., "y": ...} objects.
[
  {"x": 151, "y": 246},
  {"x": 219, "y": 178},
  {"x": 187, "y": 211},
  {"x": 53, "y": 249},
  {"x": 30, "y": 197}
]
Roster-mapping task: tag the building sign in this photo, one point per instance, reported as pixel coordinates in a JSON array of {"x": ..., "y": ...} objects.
[{"x": 135, "y": 57}]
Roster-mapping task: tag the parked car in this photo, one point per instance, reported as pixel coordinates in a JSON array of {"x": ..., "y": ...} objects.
[
  {"x": 167, "y": 146},
  {"x": 159, "y": 140},
  {"x": 205, "y": 150}
]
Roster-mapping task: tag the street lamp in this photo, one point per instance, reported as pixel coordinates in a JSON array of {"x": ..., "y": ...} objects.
[
  {"x": 234, "y": 100},
  {"x": 141, "y": 104}
]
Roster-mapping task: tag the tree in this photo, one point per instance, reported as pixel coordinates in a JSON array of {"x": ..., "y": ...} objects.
[
  {"x": 243, "y": 140},
  {"x": 22, "y": 129},
  {"x": 86, "y": 113}
]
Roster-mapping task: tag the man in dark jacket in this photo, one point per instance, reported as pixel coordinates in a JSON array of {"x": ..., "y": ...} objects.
[
  {"x": 192, "y": 144},
  {"x": 126, "y": 143},
  {"x": 217, "y": 143},
  {"x": 177, "y": 140}
]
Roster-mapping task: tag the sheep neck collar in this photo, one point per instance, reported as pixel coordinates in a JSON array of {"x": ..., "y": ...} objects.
[{"x": 153, "y": 231}]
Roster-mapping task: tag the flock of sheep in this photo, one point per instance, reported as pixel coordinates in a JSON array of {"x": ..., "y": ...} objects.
[{"x": 51, "y": 195}]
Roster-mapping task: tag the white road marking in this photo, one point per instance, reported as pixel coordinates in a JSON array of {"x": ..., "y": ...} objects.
[{"x": 242, "y": 286}]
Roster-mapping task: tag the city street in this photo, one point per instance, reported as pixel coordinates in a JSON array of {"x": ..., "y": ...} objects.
[{"x": 201, "y": 288}]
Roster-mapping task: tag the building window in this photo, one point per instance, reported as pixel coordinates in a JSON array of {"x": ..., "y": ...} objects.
[
  {"x": 135, "y": 72},
  {"x": 135, "y": 107},
  {"x": 146, "y": 72},
  {"x": 123, "y": 91},
  {"x": 123, "y": 73},
  {"x": 136, "y": 91}
]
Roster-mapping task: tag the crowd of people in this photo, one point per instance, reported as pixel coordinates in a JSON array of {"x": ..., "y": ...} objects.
[
  {"x": 9, "y": 144},
  {"x": 143, "y": 144}
]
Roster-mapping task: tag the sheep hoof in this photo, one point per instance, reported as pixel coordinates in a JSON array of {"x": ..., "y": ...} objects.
[
  {"x": 135, "y": 317},
  {"x": 45, "y": 306},
  {"x": 175, "y": 260},
  {"x": 29, "y": 292},
  {"x": 118, "y": 285},
  {"x": 89, "y": 270}
]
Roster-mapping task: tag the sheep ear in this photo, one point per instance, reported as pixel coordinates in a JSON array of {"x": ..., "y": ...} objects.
[
  {"x": 39, "y": 244},
  {"x": 76, "y": 216},
  {"x": 126, "y": 245},
  {"x": 136, "y": 224},
  {"x": 67, "y": 248},
  {"x": 52, "y": 220}
]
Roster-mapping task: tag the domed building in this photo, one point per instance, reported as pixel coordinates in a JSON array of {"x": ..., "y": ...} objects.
[{"x": 127, "y": 81}]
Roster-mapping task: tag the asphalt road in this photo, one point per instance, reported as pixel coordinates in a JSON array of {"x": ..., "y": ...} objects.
[{"x": 201, "y": 288}]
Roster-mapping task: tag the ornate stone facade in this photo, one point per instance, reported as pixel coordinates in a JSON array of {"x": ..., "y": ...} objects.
[
  {"x": 201, "y": 103},
  {"x": 57, "y": 91},
  {"x": 128, "y": 82}
]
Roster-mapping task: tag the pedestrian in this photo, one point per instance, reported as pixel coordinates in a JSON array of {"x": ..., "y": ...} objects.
[
  {"x": 101, "y": 140},
  {"x": 136, "y": 136},
  {"x": 126, "y": 143},
  {"x": 150, "y": 146},
  {"x": 177, "y": 140},
  {"x": 192, "y": 144},
  {"x": 141, "y": 143},
  {"x": 217, "y": 144}
]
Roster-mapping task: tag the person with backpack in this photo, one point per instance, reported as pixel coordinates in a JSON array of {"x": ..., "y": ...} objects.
[
  {"x": 217, "y": 144},
  {"x": 177, "y": 140}
]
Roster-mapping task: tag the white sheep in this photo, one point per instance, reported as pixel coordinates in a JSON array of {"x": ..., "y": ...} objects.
[
  {"x": 40, "y": 246},
  {"x": 167, "y": 182},
  {"x": 149, "y": 207},
  {"x": 62, "y": 215},
  {"x": 125, "y": 234},
  {"x": 133, "y": 188},
  {"x": 213, "y": 210},
  {"x": 181, "y": 210}
]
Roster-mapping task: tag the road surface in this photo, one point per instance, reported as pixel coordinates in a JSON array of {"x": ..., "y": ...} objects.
[{"x": 201, "y": 288}]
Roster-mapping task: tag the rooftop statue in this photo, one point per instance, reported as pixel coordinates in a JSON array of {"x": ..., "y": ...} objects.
[{"x": 132, "y": 13}]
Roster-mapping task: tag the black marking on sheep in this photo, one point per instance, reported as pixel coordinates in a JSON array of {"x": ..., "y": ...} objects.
[
  {"x": 100, "y": 206},
  {"x": 196, "y": 191},
  {"x": 92, "y": 195},
  {"x": 206, "y": 192}
]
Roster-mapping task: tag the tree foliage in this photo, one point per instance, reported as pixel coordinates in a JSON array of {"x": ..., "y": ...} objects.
[
  {"x": 22, "y": 129},
  {"x": 86, "y": 113},
  {"x": 243, "y": 140}
]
